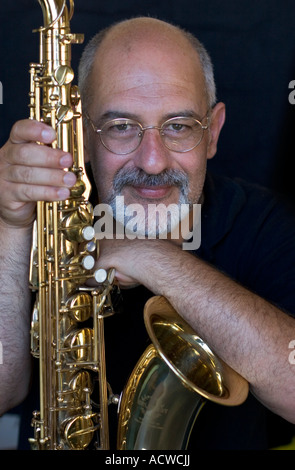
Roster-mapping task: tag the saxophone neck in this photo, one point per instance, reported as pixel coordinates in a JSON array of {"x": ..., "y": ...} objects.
[
  {"x": 55, "y": 35},
  {"x": 53, "y": 10}
]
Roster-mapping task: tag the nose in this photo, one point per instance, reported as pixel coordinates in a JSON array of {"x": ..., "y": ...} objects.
[{"x": 152, "y": 156}]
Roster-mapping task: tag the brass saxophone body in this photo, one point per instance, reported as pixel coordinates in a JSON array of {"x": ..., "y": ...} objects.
[
  {"x": 67, "y": 317},
  {"x": 174, "y": 376}
]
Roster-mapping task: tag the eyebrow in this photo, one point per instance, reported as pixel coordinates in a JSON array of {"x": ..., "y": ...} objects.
[
  {"x": 109, "y": 115},
  {"x": 183, "y": 113},
  {"x": 115, "y": 114}
]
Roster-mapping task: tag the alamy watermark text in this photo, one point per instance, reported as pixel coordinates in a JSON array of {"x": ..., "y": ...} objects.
[{"x": 174, "y": 222}]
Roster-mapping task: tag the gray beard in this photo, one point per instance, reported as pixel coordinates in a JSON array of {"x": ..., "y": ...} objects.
[{"x": 153, "y": 220}]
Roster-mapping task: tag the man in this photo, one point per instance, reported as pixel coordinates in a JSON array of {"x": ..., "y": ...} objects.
[{"x": 148, "y": 71}]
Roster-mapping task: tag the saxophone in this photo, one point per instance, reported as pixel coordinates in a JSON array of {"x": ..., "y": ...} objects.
[{"x": 175, "y": 375}]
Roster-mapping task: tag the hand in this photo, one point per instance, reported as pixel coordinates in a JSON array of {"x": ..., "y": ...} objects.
[
  {"x": 120, "y": 255},
  {"x": 138, "y": 261},
  {"x": 30, "y": 172}
]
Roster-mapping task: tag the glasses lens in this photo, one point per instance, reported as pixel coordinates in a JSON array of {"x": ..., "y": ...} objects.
[
  {"x": 182, "y": 134},
  {"x": 121, "y": 136}
]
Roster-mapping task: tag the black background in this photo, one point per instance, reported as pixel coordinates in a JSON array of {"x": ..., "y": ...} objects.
[{"x": 252, "y": 45}]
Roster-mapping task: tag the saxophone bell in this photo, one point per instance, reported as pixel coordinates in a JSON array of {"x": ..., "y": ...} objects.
[{"x": 171, "y": 382}]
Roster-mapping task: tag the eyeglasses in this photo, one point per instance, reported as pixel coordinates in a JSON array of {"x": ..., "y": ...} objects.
[{"x": 123, "y": 136}]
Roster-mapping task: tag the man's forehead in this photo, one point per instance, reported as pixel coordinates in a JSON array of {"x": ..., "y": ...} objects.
[
  {"x": 146, "y": 66},
  {"x": 144, "y": 34},
  {"x": 147, "y": 92}
]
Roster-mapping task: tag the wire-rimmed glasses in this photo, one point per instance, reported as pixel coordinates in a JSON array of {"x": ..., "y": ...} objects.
[{"x": 122, "y": 136}]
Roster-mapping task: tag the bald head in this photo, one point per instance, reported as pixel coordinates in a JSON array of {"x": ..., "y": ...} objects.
[
  {"x": 141, "y": 30},
  {"x": 133, "y": 37}
]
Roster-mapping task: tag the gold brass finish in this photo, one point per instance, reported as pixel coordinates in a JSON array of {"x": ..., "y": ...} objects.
[{"x": 67, "y": 321}]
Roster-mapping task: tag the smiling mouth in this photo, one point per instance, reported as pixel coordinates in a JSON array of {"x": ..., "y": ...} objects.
[{"x": 152, "y": 192}]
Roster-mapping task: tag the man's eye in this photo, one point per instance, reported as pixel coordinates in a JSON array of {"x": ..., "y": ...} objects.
[
  {"x": 119, "y": 128},
  {"x": 176, "y": 128},
  {"x": 122, "y": 128}
]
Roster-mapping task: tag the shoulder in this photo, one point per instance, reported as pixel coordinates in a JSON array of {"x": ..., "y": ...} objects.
[
  {"x": 249, "y": 233},
  {"x": 234, "y": 204}
]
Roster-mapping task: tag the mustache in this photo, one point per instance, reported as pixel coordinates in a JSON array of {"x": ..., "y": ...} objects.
[{"x": 138, "y": 177}]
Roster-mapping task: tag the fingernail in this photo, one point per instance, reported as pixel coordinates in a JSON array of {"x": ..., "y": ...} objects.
[
  {"x": 69, "y": 178},
  {"x": 63, "y": 193},
  {"x": 66, "y": 160},
  {"x": 48, "y": 135}
]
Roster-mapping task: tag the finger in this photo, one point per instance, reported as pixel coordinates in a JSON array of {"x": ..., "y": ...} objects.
[
  {"x": 39, "y": 176},
  {"x": 30, "y": 130},
  {"x": 34, "y": 193},
  {"x": 32, "y": 154}
]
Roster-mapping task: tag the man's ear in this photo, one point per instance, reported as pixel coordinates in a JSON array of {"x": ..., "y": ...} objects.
[{"x": 216, "y": 124}]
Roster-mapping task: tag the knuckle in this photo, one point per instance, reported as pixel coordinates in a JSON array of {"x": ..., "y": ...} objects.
[
  {"x": 25, "y": 130},
  {"x": 19, "y": 129},
  {"x": 51, "y": 157},
  {"x": 22, "y": 153},
  {"x": 26, "y": 196},
  {"x": 27, "y": 193},
  {"x": 16, "y": 128},
  {"x": 24, "y": 174}
]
